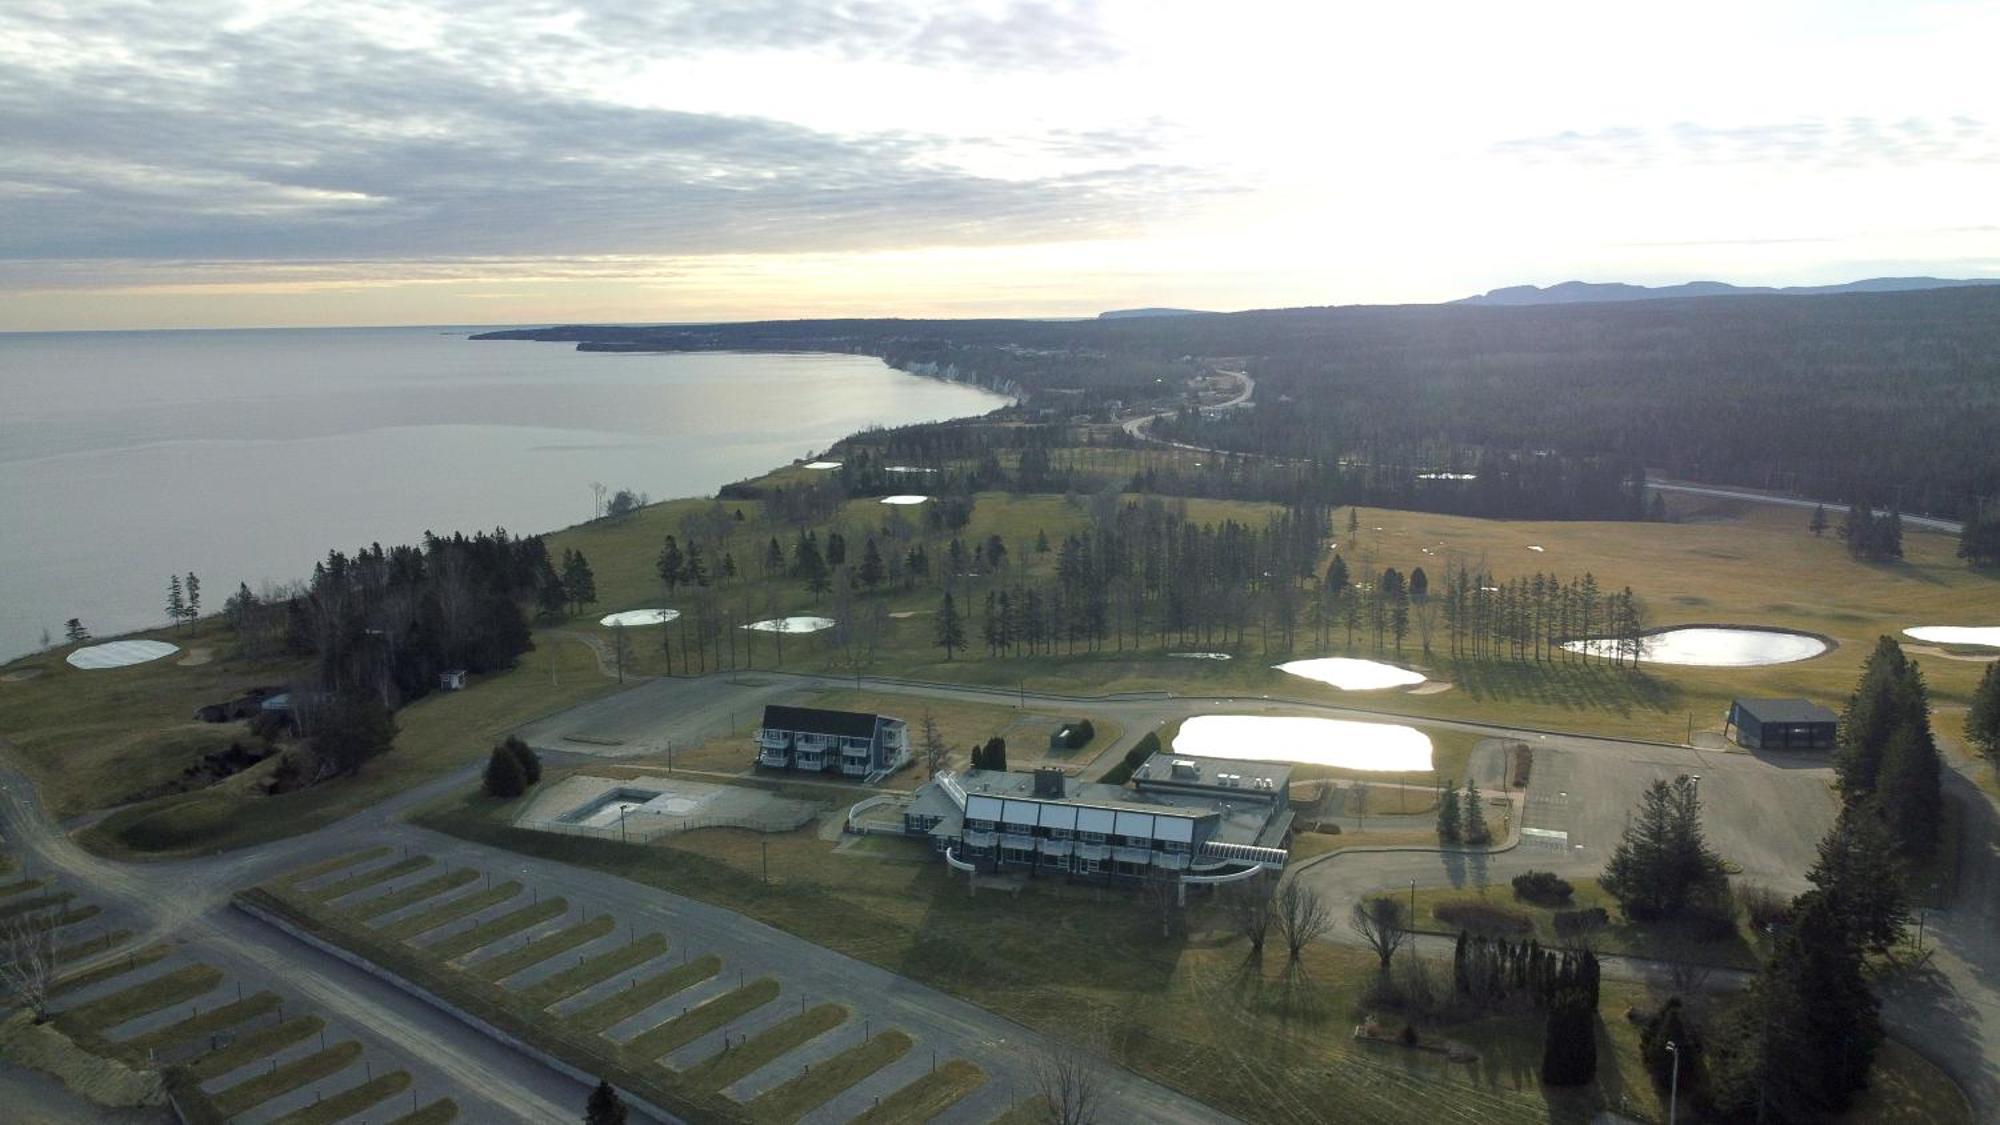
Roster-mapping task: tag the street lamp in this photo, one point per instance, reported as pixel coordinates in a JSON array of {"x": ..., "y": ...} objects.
[
  {"x": 1674, "y": 1087},
  {"x": 1413, "y": 904}
]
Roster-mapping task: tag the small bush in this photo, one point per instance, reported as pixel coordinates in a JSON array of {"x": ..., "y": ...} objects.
[
  {"x": 1764, "y": 907},
  {"x": 1483, "y": 918},
  {"x": 1542, "y": 887},
  {"x": 1145, "y": 748},
  {"x": 1079, "y": 734},
  {"x": 1580, "y": 923}
]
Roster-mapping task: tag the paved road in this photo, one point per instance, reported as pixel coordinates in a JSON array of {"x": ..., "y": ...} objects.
[{"x": 1928, "y": 523}]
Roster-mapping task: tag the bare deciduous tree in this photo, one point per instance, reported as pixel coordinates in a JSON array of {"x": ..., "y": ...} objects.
[
  {"x": 1069, "y": 1083},
  {"x": 1160, "y": 896},
  {"x": 933, "y": 743},
  {"x": 28, "y": 962},
  {"x": 1249, "y": 909},
  {"x": 1379, "y": 922},
  {"x": 1301, "y": 915}
]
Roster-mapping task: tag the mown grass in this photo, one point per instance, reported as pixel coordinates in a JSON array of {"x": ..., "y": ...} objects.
[
  {"x": 1743, "y": 949},
  {"x": 790, "y": 1100},
  {"x": 164, "y": 991},
  {"x": 30, "y": 905},
  {"x": 196, "y": 1026},
  {"x": 138, "y": 958},
  {"x": 411, "y": 895},
  {"x": 503, "y": 965},
  {"x": 486, "y": 933},
  {"x": 440, "y": 1112},
  {"x": 562, "y": 985},
  {"x": 332, "y": 864},
  {"x": 19, "y": 886},
  {"x": 629, "y": 1002},
  {"x": 740, "y": 1059},
  {"x": 1907, "y": 1089},
  {"x": 280, "y": 1080},
  {"x": 926, "y": 1097},
  {"x": 671, "y": 1035},
  {"x": 253, "y": 1045},
  {"x": 350, "y": 1101},
  {"x": 445, "y": 913}
]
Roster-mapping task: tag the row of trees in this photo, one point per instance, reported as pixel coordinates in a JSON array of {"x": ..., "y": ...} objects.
[
  {"x": 1870, "y": 537},
  {"x": 1979, "y": 539},
  {"x": 1463, "y": 821},
  {"x": 183, "y": 599},
  {"x": 1531, "y": 618}
]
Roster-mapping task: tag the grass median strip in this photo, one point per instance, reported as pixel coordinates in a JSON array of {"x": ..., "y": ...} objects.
[
  {"x": 253, "y": 1045},
  {"x": 413, "y": 894},
  {"x": 201, "y": 1023},
  {"x": 786, "y": 1103},
  {"x": 39, "y": 902},
  {"x": 329, "y": 866},
  {"x": 567, "y": 983},
  {"x": 350, "y": 1101},
  {"x": 48, "y": 922},
  {"x": 928, "y": 1096},
  {"x": 738, "y": 1060},
  {"x": 696, "y": 1022},
  {"x": 164, "y": 991},
  {"x": 253, "y": 1092},
  {"x": 445, "y": 913},
  {"x": 18, "y": 886},
  {"x": 503, "y": 965},
  {"x": 440, "y": 1112},
  {"x": 107, "y": 971},
  {"x": 486, "y": 933},
  {"x": 622, "y": 1006},
  {"x": 361, "y": 881}
]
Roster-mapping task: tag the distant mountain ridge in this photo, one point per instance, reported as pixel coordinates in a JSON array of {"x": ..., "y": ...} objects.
[
  {"x": 1588, "y": 292},
  {"x": 1127, "y": 314}
]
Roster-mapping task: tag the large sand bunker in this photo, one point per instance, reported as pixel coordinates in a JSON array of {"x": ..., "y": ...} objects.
[
  {"x": 1349, "y": 674},
  {"x": 1388, "y": 747},
  {"x": 1987, "y": 635},
  {"x": 640, "y": 617},
  {"x": 1711, "y": 646},
  {"x": 792, "y": 625},
  {"x": 120, "y": 654}
]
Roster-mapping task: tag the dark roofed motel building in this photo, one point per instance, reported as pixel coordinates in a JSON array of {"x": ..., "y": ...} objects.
[
  {"x": 1199, "y": 820},
  {"x": 1781, "y": 724},
  {"x": 818, "y": 740}
]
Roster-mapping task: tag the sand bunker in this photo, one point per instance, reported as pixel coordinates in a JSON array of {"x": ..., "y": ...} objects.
[
  {"x": 1532, "y": 547},
  {"x": 792, "y": 625},
  {"x": 120, "y": 654},
  {"x": 1349, "y": 674},
  {"x": 904, "y": 499},
  {"x": 1200, "y": 655},
  {"x": 196, "y": 657},
  {"x": 1988, "y": 635},
  {"x": 822, "y": 465},
  {"x": 1712, "y": 647},
  {"x": 1320, "y": 742},
  {"x": 639, "y": 617}
]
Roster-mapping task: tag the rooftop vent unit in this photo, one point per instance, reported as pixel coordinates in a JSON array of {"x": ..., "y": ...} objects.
[{"x": 1184, "y": 768}]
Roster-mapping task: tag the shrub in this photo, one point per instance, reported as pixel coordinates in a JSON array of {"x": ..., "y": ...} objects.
[
  {"x": 531, "y": 763},
  {"x": 1079, "y": 733},
  {"x": 1580, "y": 923},
  {"x": 1711, "y": 915},
  {"x": 1409, "y": 1036},
  {"x": 504, "y": 778},
  {"x": 1542, "y": 887},
  {"x": 1764, "y": 907},
  {"x": 1145, "y": 748},
  {"x": 1483, "y": 918}
]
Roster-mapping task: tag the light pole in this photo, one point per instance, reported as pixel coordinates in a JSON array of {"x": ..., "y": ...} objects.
[
  {"x": 1413, "y": 904},
  {"x": 1674, "y": 1085}
]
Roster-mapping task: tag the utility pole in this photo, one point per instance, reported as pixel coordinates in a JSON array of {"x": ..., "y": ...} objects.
[{"x": 1674, "y": 1087}]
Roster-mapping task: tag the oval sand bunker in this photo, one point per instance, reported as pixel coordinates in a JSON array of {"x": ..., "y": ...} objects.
[
  {"x": 792, "y": 625},
  {"x": 1988, "y": 635},
  {"x": 1712, "y": 647},
  {"x": 120, "y": 654},
  {"x": 1389, "y": 747},
  {"x": 640, "y": 617},
  {"x": 1349, "y": 674}
]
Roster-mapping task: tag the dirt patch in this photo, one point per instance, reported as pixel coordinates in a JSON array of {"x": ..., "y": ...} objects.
[
  {"x": 1430, "y": 687},
  {"x": 20, "y": 675},
  {"x": 196, "y": 657},
  {"x": 102, "y": 1080}
]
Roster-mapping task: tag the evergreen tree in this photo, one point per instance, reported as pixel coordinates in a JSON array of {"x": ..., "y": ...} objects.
[
  {"x": 176, "y": 603},
  {"x": 350, "y": 730},
  {"x": 774, "y": 558},
  {"x": 531, "y": 763},
  {"x": 1663, "y": 863},
  {"x": 995, "y": 754},
  {"x": 1041, "y": 542},
  {"x": 1671, "y": 1025},
  {"x": 1817, "y": 525},
  {"x": 1476, "y": 831},
  {"x": 871, "y": 572},
  {"x": 1979, "y": 539},
  {"x": 836, "y": 549},
  {"x": 1982, "y": 721},
  {"x": 1875, "y": 709},
  {"x": 668, "y": 565},
  {"x": 1859, "y": 878},
  {"x": 550, "y": 597},
  {"x": 728, "y": 565},
  {"x": 74, "y": 632},
  {"x": 504, "y": 778},
  {"x": 693, "y": 570},
  {"x": 605, "y": 1106},
  {"x": 1569, "y": 1040},
  {"x": 1910, "y": 791},
  {"x": 950, "y": 627},
  {"x": 579, "y": 583},
  {"x": 1451, "y": 825},
  {"x": 193, "y": 598},
  {"x": 810, "y": 568}
]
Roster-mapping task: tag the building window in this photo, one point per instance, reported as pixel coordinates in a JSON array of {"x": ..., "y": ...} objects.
[
  {"x": 1091, "y": 837},
  {"x": 1059, "y": 833}
]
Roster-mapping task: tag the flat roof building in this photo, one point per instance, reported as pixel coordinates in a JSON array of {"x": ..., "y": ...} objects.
[
  {"x": 1194, "y": 819},
  {"x": 1781, "y": 724},
  {"x": 818, "y": 740}
]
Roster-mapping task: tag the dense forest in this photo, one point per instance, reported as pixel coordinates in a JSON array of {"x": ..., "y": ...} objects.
[{"x": 1893, "y": 396}]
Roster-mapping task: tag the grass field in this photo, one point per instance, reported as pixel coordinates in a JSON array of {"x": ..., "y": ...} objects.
[
  {"x": 787, "y": 1102},
  {"x": 1742, "y": 950}
]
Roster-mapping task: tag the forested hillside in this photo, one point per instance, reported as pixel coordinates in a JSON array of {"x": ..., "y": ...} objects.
[{"x": 1891, "y": 397}]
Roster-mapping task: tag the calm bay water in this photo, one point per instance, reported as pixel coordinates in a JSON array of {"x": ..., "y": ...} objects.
[{"x": 245, "y": 455}]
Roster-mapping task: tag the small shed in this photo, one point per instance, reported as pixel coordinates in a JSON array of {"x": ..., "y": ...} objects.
[
  {"x": 453, "y": 680},
  {"x": 1781, "y": 724}
]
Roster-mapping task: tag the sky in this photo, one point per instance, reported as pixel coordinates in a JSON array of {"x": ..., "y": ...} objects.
[{"x": 211, "y": 163}]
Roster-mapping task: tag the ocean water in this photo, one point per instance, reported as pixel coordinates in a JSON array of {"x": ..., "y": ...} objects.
[{"x": 245, "y": 455}]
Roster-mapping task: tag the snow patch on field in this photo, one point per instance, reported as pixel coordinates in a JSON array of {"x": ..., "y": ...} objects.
[
  {"x": 120, "y": 654},
  {"x": 1339, "y": 743},
  {"x": 1349, "y": 674},
  {"x": 640, "y": 617}
]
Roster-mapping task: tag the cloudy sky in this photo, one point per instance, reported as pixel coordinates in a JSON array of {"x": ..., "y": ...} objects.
[{"x": 247, "y": 162}]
